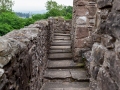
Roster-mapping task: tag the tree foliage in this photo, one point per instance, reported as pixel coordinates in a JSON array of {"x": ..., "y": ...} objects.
[
  {"x": 51, "y": 4},
  {"x": 10, "y": 20},
  {"x": 54, "y": 9},
  {"x": 6, "y": 5}
]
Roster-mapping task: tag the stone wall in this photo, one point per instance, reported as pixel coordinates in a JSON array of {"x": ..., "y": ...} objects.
[
  {"x": 105, "y": 57},
  {"x": 59, "y": 24},
  {"x": 84, "y": 12},
  {"x": 23, "y": 54},
  {"x": 102, "y": 46}
]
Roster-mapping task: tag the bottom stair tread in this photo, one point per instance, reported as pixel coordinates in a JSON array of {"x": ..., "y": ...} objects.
[
  {"x": 77, "y": 74},
  {"x": 66, "y": 86}
]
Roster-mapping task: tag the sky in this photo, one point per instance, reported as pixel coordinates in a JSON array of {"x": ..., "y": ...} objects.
[{"x": 35, "y": 5}]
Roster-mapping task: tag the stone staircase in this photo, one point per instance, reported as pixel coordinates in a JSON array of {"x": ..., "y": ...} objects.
[{"x": 62, "y": 73}]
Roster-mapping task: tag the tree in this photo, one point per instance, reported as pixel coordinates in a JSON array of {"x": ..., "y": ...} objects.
[
  {"x": 67, "y": 12},
  {"x": 38, "y": 16},
  {"x": 51, "y": 4},
  {"x": 6, "y": 5},
  {"x": 54, "y": 9},
  {"x": 5, "y": 28},
  {"x": 10, "y": 21}
]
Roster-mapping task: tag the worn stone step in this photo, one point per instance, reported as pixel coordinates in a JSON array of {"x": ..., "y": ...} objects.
[
  {"x": 64, "y": 64},
  {"x": 62, "y": 38},
  {"x": 61, "y": 34},
  {"x": 61, "y": 31},
  {"x": 60, "y": 47},
  {"x": 61, "y": 43},
  {"x": 76, "y": 74},
  {"x": 65, "y": 86},
  {"x": 60, "y": 56},
  {"x": 61, "y": 51}
]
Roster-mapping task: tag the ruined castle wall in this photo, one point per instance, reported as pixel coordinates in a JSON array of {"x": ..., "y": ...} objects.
[
  {"x": 84, "y": 12},
  {"x": 59, "y": 24},
  {"x": 105, "y": 54},
  {"x": 23, "y": 54},
  {"x": 103, "y": 58}
]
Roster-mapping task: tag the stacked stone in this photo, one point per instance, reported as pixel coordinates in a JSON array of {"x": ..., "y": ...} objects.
[
  {"x": 84, "y": 12},
  {"x": 59, "y": 24},
  {"x": 104, "y": 58},
  {"x": 23, "y": 54}
]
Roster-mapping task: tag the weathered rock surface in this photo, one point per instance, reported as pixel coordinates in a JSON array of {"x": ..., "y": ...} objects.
[
  {"x": 65, "y": 86},
  {"x": 103, "y": 40},
  {"x": 95, "y": 37},
  {"x": 23, "y": 54},
  {"x": 64, "y": 64}
]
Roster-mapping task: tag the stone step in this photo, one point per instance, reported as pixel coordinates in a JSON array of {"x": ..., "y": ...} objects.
[
  {"x": 60, "y": 56},
  {"x": 64, "y": 64},
  {"x": 62, "y": 38},
  {"x": 61, "y": 43},
  {"x": 61, "y": 31},
  {"x": 76, "y": 74},
  {"x": 65, "y": 86},
  {"x": 60, "y": 47},
  {"x": 61, "y": 51},
  {"x": 61, "y": 34}
]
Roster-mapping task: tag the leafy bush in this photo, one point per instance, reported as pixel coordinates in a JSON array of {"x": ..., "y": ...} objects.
[{"x": 10, "y": 21}]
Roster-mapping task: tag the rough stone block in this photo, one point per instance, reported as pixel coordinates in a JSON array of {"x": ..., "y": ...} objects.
[
  {"x": 105, "y": 81},
  {"x": 104, "y": 3},
  {"x": 107, "y": 41},
  {"x": 92, "y": 10},
  {"x": 116, "y": 5},
  {"x": 104, "y": 13},
  {"x": 96, "y": 37},
  {"x": 117, "y": 49},
  {"x": 81, "y": 20},
  {"x": 91, "y": 21},
  {"x": 97, "y": 53},
  {"x": 79, "y": 43},
  {"x": 81, "y": 32},
  {"x": 78, "y": 52},
  {"x": 81, "y": 3},
  {"x": 1, "y": 72},
  {"x": 81, "y": 11}
]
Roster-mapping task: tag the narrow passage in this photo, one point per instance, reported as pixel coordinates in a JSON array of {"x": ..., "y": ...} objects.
[{"x": 62, "y": 73}]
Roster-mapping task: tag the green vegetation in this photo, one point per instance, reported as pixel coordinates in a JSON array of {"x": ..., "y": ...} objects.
[
  {"x": 54, "y": 10},
  {"x": 10, "y": 20},
  {"x": 6, "y": 5}
]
